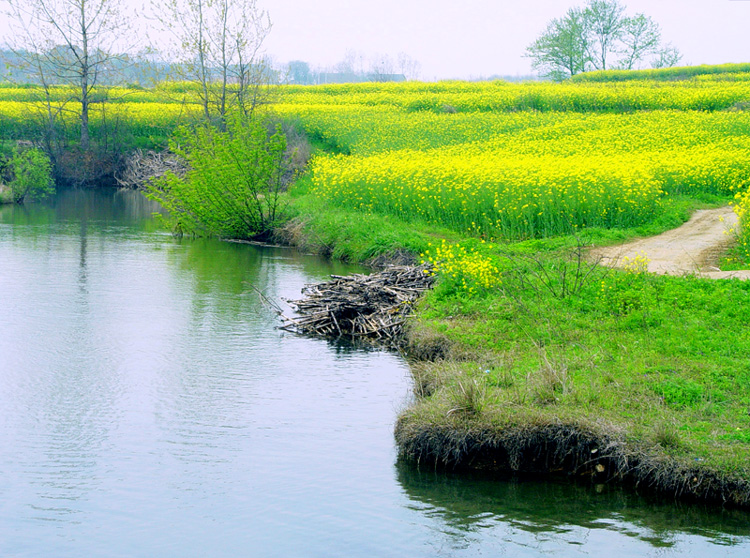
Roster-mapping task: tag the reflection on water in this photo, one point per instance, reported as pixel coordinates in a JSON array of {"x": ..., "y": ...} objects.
[
  {"x": 149, "y": 407},
  {"x": 472, "y": 503}
]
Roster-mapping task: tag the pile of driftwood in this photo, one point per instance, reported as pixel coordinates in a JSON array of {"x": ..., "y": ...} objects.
[
  {"x": 361, "y": 306},
  {"x": 142, "y": 168}
]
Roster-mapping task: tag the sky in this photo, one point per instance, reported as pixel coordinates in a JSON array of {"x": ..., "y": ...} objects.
[
  {"x": 478, "y": 38},
  {"x": 481, "y": 38}
]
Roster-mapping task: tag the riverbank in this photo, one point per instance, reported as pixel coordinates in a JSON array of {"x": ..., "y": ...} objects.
[
  {"x": 563, "y": 367},
  {"x": 637, "y": 377}
]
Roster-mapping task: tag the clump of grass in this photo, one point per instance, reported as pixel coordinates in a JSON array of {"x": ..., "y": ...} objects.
[
  {"x": 427, "y": 344},
  {"x": 469, "y": 397},
  {"x": 552, "y": 380},
  {"x": 429, "y": 377},
  {"x": 667, "y": 435}
]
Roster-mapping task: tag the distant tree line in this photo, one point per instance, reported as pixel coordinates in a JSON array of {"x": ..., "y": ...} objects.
[
  {"x": 599, "y": 36},
  {"x": 355, "y": 68}
]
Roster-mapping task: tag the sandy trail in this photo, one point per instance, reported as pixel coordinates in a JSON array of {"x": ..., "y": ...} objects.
[{"x": 693, "y": 248}]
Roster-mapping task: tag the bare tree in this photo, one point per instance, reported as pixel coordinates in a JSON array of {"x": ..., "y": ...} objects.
[
  {"x": 641, "y": 37},
  {"x": 408, "y": 66},
  {"x": 666, "y": 57},
  {"x": 71, "y": 42},
  {"x": 218, "y": 48},
  {"x": 299, "y": 72},
  {"x": 605, "y": 21},
  {"x": 381, "y": 68}
]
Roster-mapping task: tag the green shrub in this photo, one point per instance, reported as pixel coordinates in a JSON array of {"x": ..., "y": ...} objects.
[
  {"x": 29, "y": 175},
  {"x": 234, "y": 181}
]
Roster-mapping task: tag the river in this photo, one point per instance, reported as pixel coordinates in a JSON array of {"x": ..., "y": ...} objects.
[{"x": 149, "y": 406}]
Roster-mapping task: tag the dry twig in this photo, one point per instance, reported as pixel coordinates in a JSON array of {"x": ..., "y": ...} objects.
[{"x": 141, "y": 168}]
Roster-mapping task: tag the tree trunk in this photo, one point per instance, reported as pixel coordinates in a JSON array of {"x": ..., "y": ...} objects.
[{"x": 85, "y": 71}]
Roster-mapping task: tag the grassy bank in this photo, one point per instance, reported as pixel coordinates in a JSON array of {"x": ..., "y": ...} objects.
[{"x": 622, "y": 374}]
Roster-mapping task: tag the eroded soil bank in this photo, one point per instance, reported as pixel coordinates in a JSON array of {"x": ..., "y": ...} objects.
[{"x": 552, "y": 446}]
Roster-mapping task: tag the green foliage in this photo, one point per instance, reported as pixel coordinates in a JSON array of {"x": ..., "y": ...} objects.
[
  {"x": 29, "y": 173},
  {"x": 233, "y": 186},
  {"x": 738, "y": 256},
  {"x": 659, "y": 356},
  {"x": 561, "y": 51},
  {"x": 599, "y": 36},
  {"x": 6, "y": 196},
  {"x": 348, "y": 234}
]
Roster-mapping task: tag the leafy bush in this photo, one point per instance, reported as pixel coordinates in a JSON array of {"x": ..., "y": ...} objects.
[
  {"x": 29, "y": 175},
  {"x": 234, "y": 181}
]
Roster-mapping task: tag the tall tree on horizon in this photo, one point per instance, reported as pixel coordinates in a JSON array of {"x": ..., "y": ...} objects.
[
  {"x": 599, "y": 36},
  {"x": 218, "y": 48},
  {"x": 563, "y": 50}
]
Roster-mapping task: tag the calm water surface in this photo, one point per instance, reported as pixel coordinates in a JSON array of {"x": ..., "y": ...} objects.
[{"x": 149, "y": 407}]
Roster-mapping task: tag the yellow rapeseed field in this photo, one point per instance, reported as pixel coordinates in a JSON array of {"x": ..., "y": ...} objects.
[{"x": 527, "y": 173}]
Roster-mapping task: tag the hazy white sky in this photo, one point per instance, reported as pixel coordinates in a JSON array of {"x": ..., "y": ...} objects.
[
  {"x": 472, "y": 38},
  {"x": 475, "y": 38}
]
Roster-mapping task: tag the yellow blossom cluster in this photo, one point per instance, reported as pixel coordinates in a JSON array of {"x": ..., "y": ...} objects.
[
  {"x": 22, "y": 119},
  {"x": 742, "y": 209},
  {"x": 701, "y": 93},
  {"x": 636, "y": 265},
  {"x": 470, "y": 269}
]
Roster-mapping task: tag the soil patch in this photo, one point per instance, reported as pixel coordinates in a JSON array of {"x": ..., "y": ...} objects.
[{"x": 574, "y": 450}]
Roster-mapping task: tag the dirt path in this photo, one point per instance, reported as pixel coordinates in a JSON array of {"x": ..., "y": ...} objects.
[{"x": 692, "y": 248}]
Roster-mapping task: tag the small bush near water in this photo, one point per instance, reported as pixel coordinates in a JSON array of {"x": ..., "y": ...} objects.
[
  {"x": 27, "y": 176},
  {"x": 233, "y": 186}
]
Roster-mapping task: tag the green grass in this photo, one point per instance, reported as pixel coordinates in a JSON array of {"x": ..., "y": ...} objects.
[
  {"x": 351, "y": 235},
  {"x": 664, "y": 74}
]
